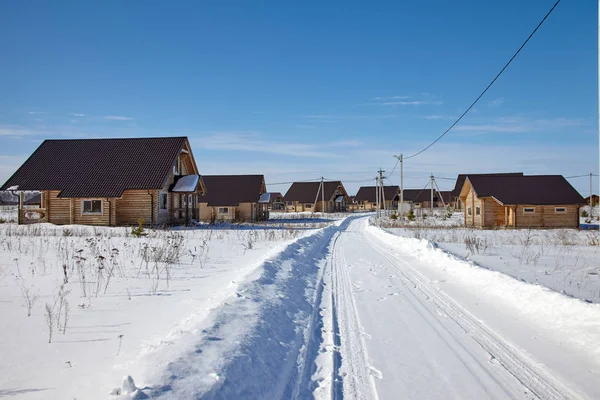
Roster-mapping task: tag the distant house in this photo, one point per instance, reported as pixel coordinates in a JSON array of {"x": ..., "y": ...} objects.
[
  {"x": 273, "y": 200},
  {"x": 460, "y": 181},
  {"x": 521, "y": 201},
  {"x": 352, "y": 204},
  {"x": 421, "y": 198},
  {"x": 594, "y": 200},
  {"x": 233, "y": 198},
  {"x": 307, "y": 196},
  {"x": 366, "y": 198},
  {"x": 110, "y": 181}
]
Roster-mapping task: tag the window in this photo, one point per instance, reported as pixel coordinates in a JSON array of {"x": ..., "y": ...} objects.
[
  {"x": 477, "y": 211},
  {"x": 176, "y": 169},
  {"x": 163, "y": 201},
  {"x": 289, "y": 203},
  {"x": 469, "y": 211},
  {"x": 308, "y": 205},
  {"x": 223, "y": 210},
  {"x": 560, "y": 210},
  {"x": 92, "y": 207},
  {"x": 529, "y": 210}
]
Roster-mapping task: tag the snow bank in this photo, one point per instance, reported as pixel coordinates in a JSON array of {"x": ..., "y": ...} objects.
[{"x": 576, "y": 322}]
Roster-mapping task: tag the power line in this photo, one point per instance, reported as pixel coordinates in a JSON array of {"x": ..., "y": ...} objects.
[
  {"x": 490, "y": 84},
  {"x": 580, "y": 176}
]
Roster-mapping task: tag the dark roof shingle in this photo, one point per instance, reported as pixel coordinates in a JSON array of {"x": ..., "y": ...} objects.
[
  {"x": 527, "y": 189},
  {"x": 306, "y": 192},
  {"x": 367, "y": 193},
  {"x": 231, "y": 190},
  {"x": 98, "y": 167},
  {"x": 460, "y": 181}
]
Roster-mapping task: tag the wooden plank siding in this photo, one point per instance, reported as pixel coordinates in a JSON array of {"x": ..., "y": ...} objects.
[
  {"x": 92, "y": 219},
  {"x": 136, "y": 204},
  {"x": 59, "y": 210},
  {"x": 547, "y": 217}
]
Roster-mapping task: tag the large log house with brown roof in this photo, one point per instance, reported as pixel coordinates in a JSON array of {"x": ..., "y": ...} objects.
[
  {"x": 526, "y": 201},
  {"x": 307, "y": 196},
  {"x": 110, "y": 182},
  {"x": 233, "y": 198}
]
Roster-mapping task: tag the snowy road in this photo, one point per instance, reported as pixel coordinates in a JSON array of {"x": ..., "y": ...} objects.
[
  {"x": 348, "y": 312},
  {"x": 403, "y": 338}
]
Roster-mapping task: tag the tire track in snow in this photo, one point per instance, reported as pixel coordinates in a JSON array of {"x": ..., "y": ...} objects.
[
  {"x": 355, "y": 371},
  {"x": 540, "y": 383}
]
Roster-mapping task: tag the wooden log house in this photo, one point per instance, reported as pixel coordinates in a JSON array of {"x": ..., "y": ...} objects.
[
  {"x": 308, "y": 196},
  {"x": 233, "y": 198},
  {"x": 110, "y": 182},
  {"x": 527, "y": 201}
]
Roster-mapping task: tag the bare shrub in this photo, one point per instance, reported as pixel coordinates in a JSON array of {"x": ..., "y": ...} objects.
[
  {"x": 476, "y": 245},
  {"x": 49, "y": 314},
  {"x": 29, "y": 297}
]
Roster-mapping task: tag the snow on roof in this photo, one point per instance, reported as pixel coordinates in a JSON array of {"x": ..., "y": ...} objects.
[{"x": 187, "y": 183}]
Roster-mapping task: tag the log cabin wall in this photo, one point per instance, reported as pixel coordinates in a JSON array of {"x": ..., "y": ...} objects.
[
  {"x": 493, "y": 213},
  {"x": 59, "y": 210},
  {"x": 136, "y": 204},
  {"x": 102, "y": 218}
]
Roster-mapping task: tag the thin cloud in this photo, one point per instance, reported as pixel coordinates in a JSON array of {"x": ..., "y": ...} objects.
[
  {"x": 78, "y": 115},
  {"x": 521, "y": 125},
  {"x": 497, "y": 102},
  {"x": 392, "y": 98},
  {"x": 118, "y": 118},
  {"x": 252, "y": 141},
  {"x": 37, "y": 112}
]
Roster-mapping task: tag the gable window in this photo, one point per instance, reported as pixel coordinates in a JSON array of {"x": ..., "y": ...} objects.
[
  {"x": 529, "y": 210},
  {"x": 163, "y": 201},
  {"x": 477, "y": 211},
  {"x": 176, "y": 167},
  {"x": 91, "y": 207},
  {"x": 560, "y": 210},
  {"x": 469, "y": 211},
  {"x": 223, "y": 210}
]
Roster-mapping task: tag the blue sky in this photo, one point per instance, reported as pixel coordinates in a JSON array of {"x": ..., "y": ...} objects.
[{"x": 299, "y": 90}]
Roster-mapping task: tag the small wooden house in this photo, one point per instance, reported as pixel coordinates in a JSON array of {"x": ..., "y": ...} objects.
[
  {"x": 233, "y": 198},
  {"x": 535, "y": 201},
  {"x": 110, "y": 182},
  {"x": 421, "y": 198},
  {"x": 366, "y": 198},
  {"x": 307, "y": 196},
  {"x": 460, "y": 181},
  {"x": 273, "y": 200}
]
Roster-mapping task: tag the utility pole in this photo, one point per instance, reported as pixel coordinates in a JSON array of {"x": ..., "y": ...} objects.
[
  {"x": 381, "y": 197},
  {"x": 598, "y": 110},
  {"x": 432, "y": 180},
  {"x": 401, "y": 204},
  {"x": 591, "y": 198},
  {"x": 377, "y": 195}
]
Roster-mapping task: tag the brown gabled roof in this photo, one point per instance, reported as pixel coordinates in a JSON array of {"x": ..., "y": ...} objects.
[
  {"x": 231, "y": 190},
  {"x": 98, "y": 167},
  {"x": 306, "y": 192},
  {"x": 367, "y": 193},
  {"x": 460, "y": 181},
  {"x": 526, "y": 189}
]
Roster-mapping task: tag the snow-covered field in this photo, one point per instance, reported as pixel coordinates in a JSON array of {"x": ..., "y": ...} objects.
[
  {"x": 110, "y": 303},
  {"x": 293, "y": 308},
  {"x": 565, "y": 260}
]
